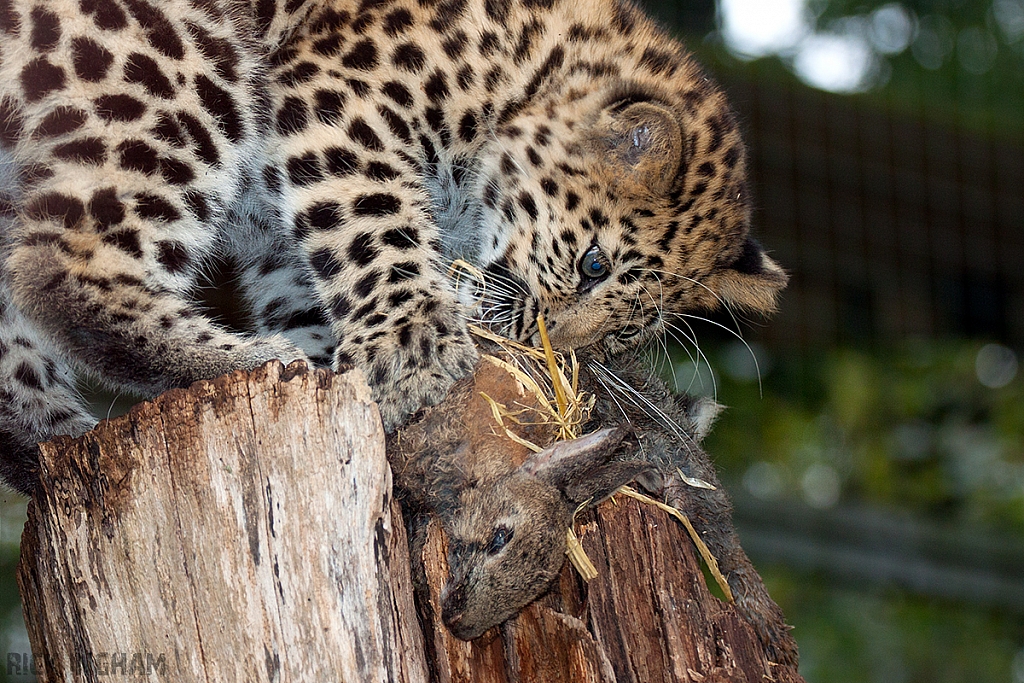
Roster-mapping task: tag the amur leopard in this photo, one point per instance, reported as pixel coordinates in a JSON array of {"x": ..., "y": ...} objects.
[{"x": 343, "y": 154}]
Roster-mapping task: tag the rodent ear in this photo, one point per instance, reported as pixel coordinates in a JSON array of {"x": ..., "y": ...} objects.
[
  {"x": 600, "y": 483},
  {"x": 702, "y": 413},
  {"x": 752, "y": 282},
  {"x": 646, "y": 138},
  {"x": 581, "y": 469}
]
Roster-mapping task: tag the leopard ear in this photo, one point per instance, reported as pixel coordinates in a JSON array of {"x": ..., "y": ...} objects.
[
  {"x": 752, "y": 282},
  {"x": 646, "y": 139}
]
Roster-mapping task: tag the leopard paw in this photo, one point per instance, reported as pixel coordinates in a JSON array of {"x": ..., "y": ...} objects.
[{"x": 416, "y": 364}]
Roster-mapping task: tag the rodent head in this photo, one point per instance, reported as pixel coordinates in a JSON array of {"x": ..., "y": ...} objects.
[
  {"x": 507, "y": 538},
  {"x": 505, "y": 546}
]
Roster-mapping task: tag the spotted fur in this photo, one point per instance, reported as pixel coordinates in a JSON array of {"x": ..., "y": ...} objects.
[{"x": 343, "y": 154}]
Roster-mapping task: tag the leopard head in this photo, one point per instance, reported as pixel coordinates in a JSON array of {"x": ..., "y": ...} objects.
[{"x": 609, "y": 211}]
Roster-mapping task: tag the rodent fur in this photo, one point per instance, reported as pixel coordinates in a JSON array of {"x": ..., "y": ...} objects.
[{"x": 483, "y": 490}]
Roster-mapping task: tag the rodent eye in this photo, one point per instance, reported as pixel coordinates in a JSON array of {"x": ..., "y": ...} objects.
[
  {"x": 502, "y": 535},
  {"x": 594, "y": 264}
]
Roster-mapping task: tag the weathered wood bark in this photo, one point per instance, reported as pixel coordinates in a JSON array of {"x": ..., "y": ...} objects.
[{"x": 243, "y": 530}]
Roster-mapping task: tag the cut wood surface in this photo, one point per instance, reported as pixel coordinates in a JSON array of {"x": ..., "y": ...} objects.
[{"x": 244, "y": 530}]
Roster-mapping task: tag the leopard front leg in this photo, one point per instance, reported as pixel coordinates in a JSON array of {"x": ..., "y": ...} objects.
[
  {"x": 372, "y": 251},
  {"x": 414, "y": 355},
  {"x": 354, "y": 148}
]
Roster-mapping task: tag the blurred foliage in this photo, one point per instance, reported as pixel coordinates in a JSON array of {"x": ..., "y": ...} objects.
[
  {"x": 912, "y": 427},
  {"x": 964, "y": 64},
  {"x": 863, "y": 636}
]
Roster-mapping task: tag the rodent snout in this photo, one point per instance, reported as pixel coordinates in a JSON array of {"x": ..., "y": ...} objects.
[{"x": 453, "y": 604}]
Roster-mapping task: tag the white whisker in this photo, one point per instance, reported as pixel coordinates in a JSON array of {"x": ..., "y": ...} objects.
[
  {"x": 723, "y": 302},
  {"x": 612, "y": 382},
  {"x": 757, "y": 366},
  {"x": 692, "y": 338}
]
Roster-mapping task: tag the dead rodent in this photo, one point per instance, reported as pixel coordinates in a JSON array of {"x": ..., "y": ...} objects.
[{"x": 505, "y": 510}]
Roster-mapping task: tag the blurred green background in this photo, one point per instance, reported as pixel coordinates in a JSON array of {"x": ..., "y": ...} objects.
[{"x": 874, "y": 442}]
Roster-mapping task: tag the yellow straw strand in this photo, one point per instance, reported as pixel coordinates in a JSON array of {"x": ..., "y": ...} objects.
[
  {"x": 702, "y": 547},
  {"x": 578, "y": 557},
  {"x": 549, "y": 354}
]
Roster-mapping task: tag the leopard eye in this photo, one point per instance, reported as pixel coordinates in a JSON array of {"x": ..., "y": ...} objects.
[
  {"x": 502, "y": 535},
  {"x": 594, "y": 264}
]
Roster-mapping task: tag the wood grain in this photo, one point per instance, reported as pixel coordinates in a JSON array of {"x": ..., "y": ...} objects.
[{"x": 240, "y": 530}]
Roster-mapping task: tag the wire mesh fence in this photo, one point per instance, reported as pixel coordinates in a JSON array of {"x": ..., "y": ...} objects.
[{"x": 892, "y": 225}]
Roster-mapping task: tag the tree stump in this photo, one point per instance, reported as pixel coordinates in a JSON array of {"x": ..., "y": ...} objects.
[{"x": 244, "y": 530}]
